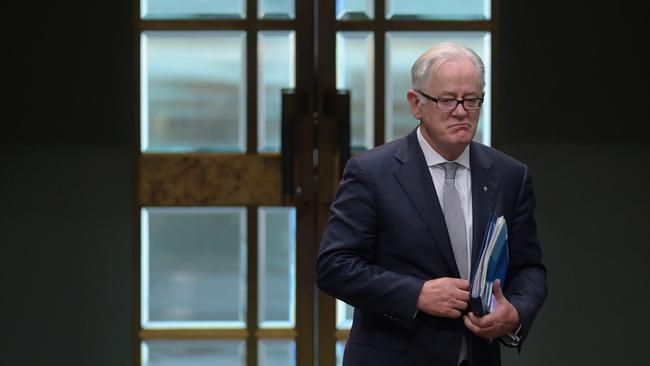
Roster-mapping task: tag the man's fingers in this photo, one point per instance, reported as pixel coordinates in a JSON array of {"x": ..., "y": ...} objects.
[
  {"x": 475, "y": 320},
  {"x": 460, "y": 305},
  {"x": 483, "y": 332},
  {"x": 460, "y": 283},
  {"x": 453, "y": 313},
  {"x": 471, "y": 326},
  {"x": 446, "y": 297},
  {"x": 503, "y": 320},
  {"x": 463, "y": 295},
  {"x": 482, "y": 322}
]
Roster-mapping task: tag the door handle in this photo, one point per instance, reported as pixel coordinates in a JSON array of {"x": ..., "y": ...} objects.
[
  {"x": 337, "y": 107},
  {"x": 294, "y": 107},
  {"x": 333, "y": 138}
]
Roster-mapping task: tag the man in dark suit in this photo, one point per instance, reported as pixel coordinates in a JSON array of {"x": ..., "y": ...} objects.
[{"x": 407, "y": 225}]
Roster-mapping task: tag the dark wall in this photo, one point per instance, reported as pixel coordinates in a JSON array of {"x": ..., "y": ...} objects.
[
  {"x": 574, "y": 73},
  {"x": 596, "y": 248},
  {"x": 66, "y": 184},
  {"x": 68, "y": 74},
  {"x": 572, "y": 92},
  {"x": 67, "y": 231}
]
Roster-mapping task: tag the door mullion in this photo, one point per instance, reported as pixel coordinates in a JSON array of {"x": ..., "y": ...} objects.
[
  {"x": 305, "y": 186},
  {"x": 252, "y": 285}
]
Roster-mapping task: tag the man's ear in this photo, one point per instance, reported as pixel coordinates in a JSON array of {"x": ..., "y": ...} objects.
[{"x": 414, "y": 104}]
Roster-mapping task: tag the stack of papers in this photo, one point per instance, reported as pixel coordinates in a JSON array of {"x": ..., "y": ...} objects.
[{"x": 492, "y": 265}]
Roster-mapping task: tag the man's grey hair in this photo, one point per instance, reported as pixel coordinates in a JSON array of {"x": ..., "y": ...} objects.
[{"x": 438, "y": 54}]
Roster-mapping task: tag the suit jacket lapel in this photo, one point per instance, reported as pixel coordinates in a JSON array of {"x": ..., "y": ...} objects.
[
  {"x": 414, "y": 177},
  {"x": 485, "y": 185}
]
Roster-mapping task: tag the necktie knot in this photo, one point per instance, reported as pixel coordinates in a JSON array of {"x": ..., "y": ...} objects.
[{"x": 450, "y": 170}]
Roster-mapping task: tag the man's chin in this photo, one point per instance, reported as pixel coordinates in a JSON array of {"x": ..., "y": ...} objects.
[{"x": 464, "y": 137}]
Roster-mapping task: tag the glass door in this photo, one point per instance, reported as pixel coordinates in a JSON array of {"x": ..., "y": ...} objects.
[
  {"x": 225, "y": 254},
  {"x": 248, "y": 110}
]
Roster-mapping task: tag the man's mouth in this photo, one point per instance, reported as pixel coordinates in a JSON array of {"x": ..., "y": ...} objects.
[{"x": 461, "y": 125}]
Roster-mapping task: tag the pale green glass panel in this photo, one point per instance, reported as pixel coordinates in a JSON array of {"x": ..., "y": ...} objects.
[
  {"x": 275, "y": 71},
  {"x": 183, "y": 9},
  {"x": 276, "y": 9},
  {"x": 193, "y": 91},
  {"x": 402, "y": 49},
  {"x": 355, "y": 59},
  {"x": 439, "y": 9},
  {"x": 355, "y": 9},
  {"x": 340, "y": 349},
  {"x": 344, "y": 315},
  {"x": 193, "y": 353},
  {"x": 278, "y": 352},
  {"x": 193, "y": 267},
  {"x": 277, "y": 266}
]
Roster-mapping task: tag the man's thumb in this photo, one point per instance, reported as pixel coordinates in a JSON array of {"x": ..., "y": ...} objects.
[{"x": 496, "y": 289}]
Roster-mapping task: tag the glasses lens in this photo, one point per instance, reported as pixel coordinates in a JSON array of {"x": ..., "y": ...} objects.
[
  {"x": 447, "y": 104},
  {"x": 473, "y": 103}
]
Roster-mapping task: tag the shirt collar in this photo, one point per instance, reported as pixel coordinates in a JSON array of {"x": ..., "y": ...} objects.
[{"x": 433, "y": 158}]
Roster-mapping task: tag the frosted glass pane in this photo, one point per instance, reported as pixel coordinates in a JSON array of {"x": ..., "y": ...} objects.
[
  {"x": 355, "y": 58},
  {"x": 277, "y": 266},
  {"x": 340, "y": 348},
  {"x": 276, "y": 9},
  {"x": 402, "y": 49},
  {"x": 166, "y": 9},
  {"x": 193, "y": 353},
  {"x": 193, "y": 91},
  {"x": 193, "y": 267},
  {"x": 276, "y": 70},
  {"x": 439, "y": 9},
  {"x": 344, "y": 315},
  {"x": 355, "y": 9},
  {"x": 276, "y": 353}
]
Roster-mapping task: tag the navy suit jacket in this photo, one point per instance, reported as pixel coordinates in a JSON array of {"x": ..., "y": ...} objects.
[{"x": 387, "y": 235}]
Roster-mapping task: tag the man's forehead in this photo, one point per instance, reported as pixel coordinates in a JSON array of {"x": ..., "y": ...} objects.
[
  {"x": 466, "y": 85},
  {"x": 454, "y": 67},
  {"x": 450, "y": 76}
]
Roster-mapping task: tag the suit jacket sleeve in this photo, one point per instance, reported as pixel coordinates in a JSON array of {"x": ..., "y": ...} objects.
[
  {"x": 345, "y": 267},
  {"x": 526, "y": 282}
]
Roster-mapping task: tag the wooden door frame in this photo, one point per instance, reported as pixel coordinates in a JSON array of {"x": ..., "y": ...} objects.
[{"x": 260, "y": 175}]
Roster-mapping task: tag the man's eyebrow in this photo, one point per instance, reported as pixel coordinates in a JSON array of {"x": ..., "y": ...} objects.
[{"x": 446, "y": 94}]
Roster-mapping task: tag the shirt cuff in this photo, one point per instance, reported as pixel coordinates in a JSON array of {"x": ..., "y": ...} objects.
[{"x": 512, "y": 339}]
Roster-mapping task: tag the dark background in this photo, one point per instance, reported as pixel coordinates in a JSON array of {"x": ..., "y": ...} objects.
[{"x": 573, "y": 94}]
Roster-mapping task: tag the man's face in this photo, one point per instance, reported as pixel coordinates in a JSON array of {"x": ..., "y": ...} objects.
[{"x": 448, "y": 131}]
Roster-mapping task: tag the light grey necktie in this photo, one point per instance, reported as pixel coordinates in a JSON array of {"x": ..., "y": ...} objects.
[{"x": 455, "y": 219}]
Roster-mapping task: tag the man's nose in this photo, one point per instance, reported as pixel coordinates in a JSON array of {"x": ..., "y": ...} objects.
[{"x": 459, "y": 110}]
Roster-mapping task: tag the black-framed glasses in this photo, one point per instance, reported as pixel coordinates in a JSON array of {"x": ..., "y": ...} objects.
[{"x": 449, "y": 104}]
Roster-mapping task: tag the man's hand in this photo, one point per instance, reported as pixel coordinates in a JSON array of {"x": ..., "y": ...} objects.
[
  {"x": 503, "y": 320},
  {"x": 446, "y": 297}
]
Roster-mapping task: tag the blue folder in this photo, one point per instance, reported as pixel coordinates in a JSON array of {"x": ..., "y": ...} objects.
[{"x": 492, "y": 265}]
